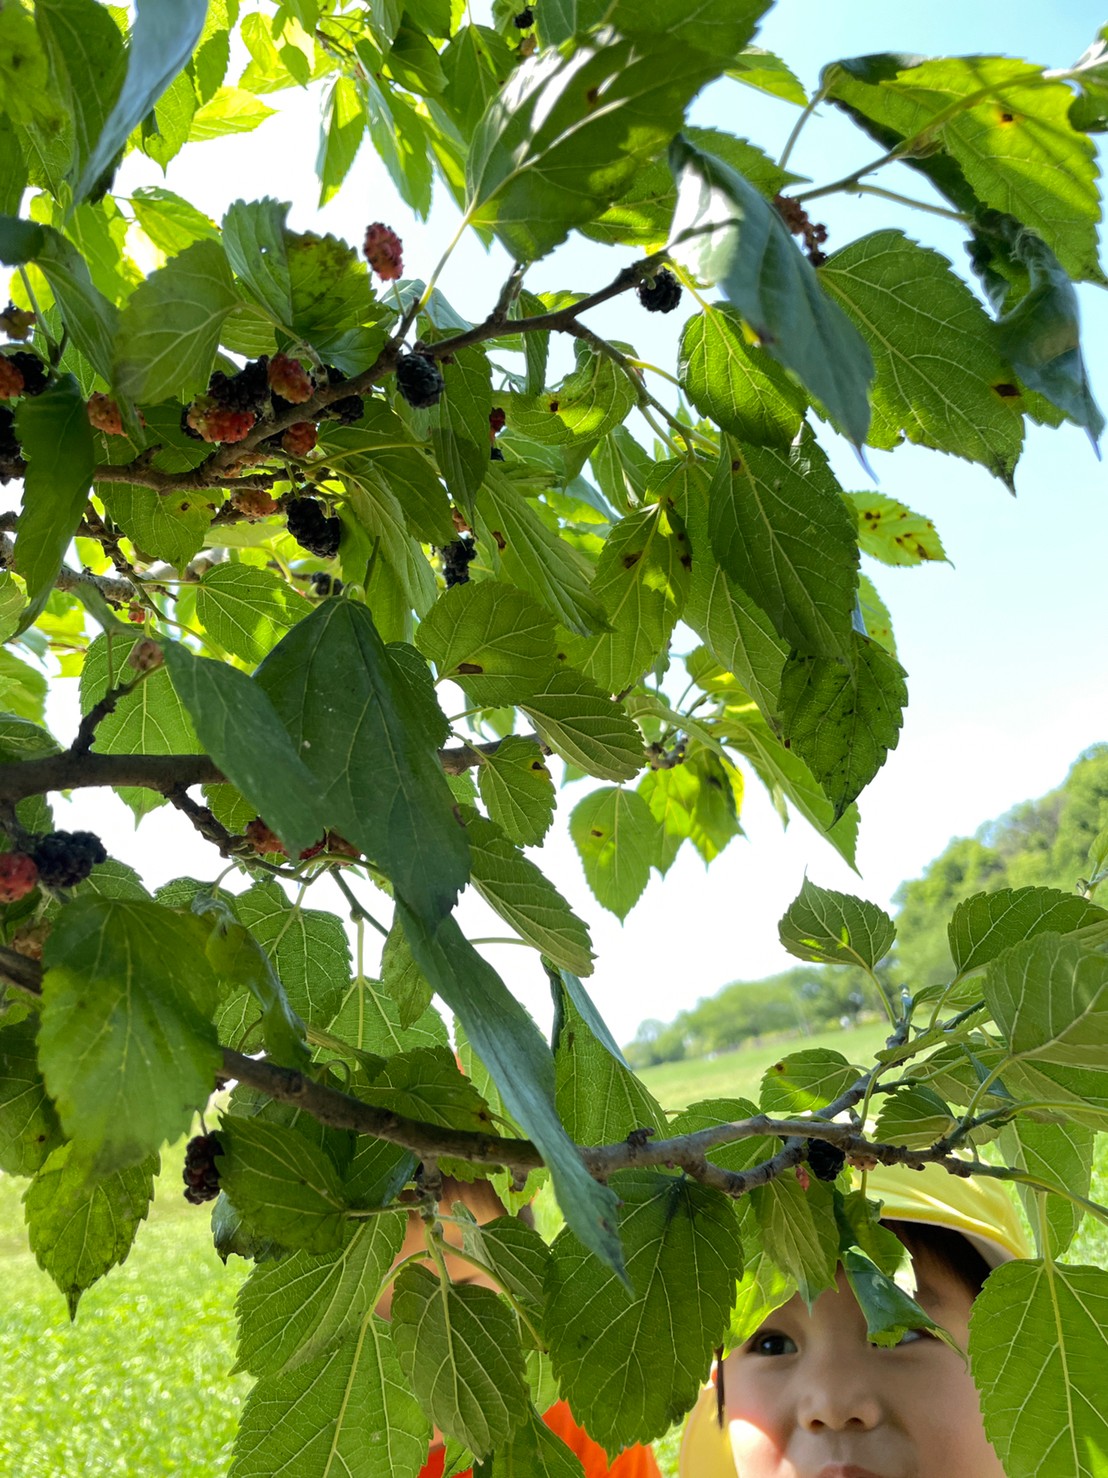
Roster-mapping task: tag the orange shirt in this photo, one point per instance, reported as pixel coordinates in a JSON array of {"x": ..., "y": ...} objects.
[{"x": 633, "y": 1462}]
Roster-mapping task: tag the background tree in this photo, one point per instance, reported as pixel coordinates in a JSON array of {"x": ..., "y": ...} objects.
[{"x": 306, "y": 490}]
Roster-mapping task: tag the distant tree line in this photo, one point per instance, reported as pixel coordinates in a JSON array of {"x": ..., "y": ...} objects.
[{"x": 1043, "y": 843}]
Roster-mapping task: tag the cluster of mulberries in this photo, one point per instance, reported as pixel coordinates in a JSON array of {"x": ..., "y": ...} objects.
[
  {"x": 65, "y": 858},
  {"x": 324, "y": 584},
  {"x": 796, "y": 218},
  {"x": 419, "y": 380},
  {"x": 383, "y": 251},
  {"x": 662, "y": 294},
  {"x": 22, "y": 373},
  {"x": 263, "y": 389},
  {"x": 201, "y": 1174},
  {"x": 824, "y": 1160},
  {"x": 311, "y": 527},
  {"x": 456, "y": 559}
]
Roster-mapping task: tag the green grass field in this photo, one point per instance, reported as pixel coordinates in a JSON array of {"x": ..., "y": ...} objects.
[{"x": 140, "y": 1385}]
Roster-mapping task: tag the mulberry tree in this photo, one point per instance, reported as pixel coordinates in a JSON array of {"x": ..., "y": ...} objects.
[{"x": 269, "y": 493}]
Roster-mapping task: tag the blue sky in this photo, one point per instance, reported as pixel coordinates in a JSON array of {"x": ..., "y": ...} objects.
[{"x": 1003, "y": 648}]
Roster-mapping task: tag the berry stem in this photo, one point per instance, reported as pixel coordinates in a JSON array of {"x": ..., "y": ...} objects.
[
  {"x": 40, "y": 322},
  {"x": 358, "y": 914},
  {"x": 790, "y": 142},
  {"x": 934, "y": 210}
]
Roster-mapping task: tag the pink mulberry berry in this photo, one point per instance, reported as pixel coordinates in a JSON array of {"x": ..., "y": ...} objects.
[
  {"x": 289, "y": 379},
  {"x": 383, "y": 251}
]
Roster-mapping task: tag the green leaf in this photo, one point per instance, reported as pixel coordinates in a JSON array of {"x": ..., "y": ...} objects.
[
  {"x": 891, "y": 532},
  {"x": 719, "y": 28},
  {"x": 683, "y": 1257},
  {"x": 350, "y": 710},
  {"x": 83, "y": 43},
  {"x": 768, "y": 73},
  {"x": 725, "y": 232},
  {"x": 588, "y": 403},
  {"x": 229, "y": 110},
  {"x": 169, "y": 329},
  {"x": 599, "y": 1098},
  {"x": 836, "y": 928},
  {"x": 351, "y": 1405},
  {"x": 163, "y": 36},
  {"x": 517, "y": 790},
  {"x": 126, "y": 1045},
  {"x": 805, "y": 1081},
  {"x": 80, "y": 1227},
  {"x": 736, "y": 384},
  {"x": 915, "y": 1116},
  {"x": 369, "y": 1020},
  {"x": 1038, "y": 1347},
  {"x": 798, "y": 1231},
  {"x": 402, "y": 979},
  {"x": 941, "y": 380},
  {"x": 241, "y": 731},
  {"x": 641, "y": 579},
  {"x": 1003, "y": 127},
  {"x": 308, "y": 948},
  {"x": 887, "y": 1309},
  {"x": 401, "y": 138},
  {"x": 237, "y": 958},
  {"x": 1062, "y": 1156},
  {"x": 515, "y": 1253},
  {"x": 254, "y": 240},
  {"x": 342, "y": 129},
  {"x": 697, "y": 800},
  {"x": 475, "y": 64},
  {"x": 247, "y": 610},
  {"x": 615, "y": 836},
  {"x": 984, "y": 926},
  {"x": 380, "y": 454},
  {"x": 533, "y": 1451},
  {"x": 1049, "y": 997},
  {"x": 525, "y": 898},
  {"x": 427, "y": 1084},
  {"x": 547, "y": 156},
  {"x": 169, "y": 526},
  {"x": 736, "y": 631},
  {"x": 491, "y": 639},
  {"x": 293, "y": 1310},
  {"x": 459, "y": 1349},
  {"x": 56, "y": 438},
  {"x": 282, "y": 1186},
  {"x": 459, "y": 424},
  {"x": 24, "y": 688},
  {"x": 518, "y": 1058},
  {"x": 843, "y": 717},
  {"x": 576, "y": 720},
  {"x": 762, "y": 1288},
  {"x": 536, "y": 559},
  {"x": 29, "y": 1127},
  {"x": 170, "y": 221},
  {"x": 779, "y": 528},
  {"x": 330, "y": 290}
]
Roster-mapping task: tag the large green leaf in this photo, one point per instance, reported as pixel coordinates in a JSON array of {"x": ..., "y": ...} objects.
[
  {"x": 380, "y": 454},
  {"x": 1005, "y": 134},
  {"x": 241, "y": 731},
  {"x": 246, "y": 609},
  {"x": 615, "y": 836},
  {"x": 735, "y": 383},
  {"x": 1050, "y": 999},
  {"x": 579, "y": 722},
  {"x": 780, "y": 530},
  {"x": 238, "y": 959},
  {"x": 725, "y": 232},
  {"x": 169, "y": 526},
  {"x": 491, "y": 639},
  {"x": 525, "y": 898},
  {"x": 163, "y": 35},
  {"x": 350, "y": 1410},
  {"x": 459, "y": 1349},
  {"x": 533, "y": 557},
  {"x": 1062, "y": 1156},
  {"x": 588, "y": 403},
  {"x": 891, "y": 532},
  {"x": 697, "y": 800},
  {"x": 843, "y": 716},
  {"x": 721, "y": 28},
  {"x": 518, "y": 1058},
  {"x": 533, "y": 1451},
  {"x": 1038, "y": 1347},
  {"x": 566, "y": 135},
  {"x": 803, "y": 1081},
  {"x": 351, "y": 712},
  {"x": 984, "y": 926},
  {"x": 370, "y": 1020},
  {"x": 642, "y": 579},
  {"x": 517, "y": 790},
  {"x": 169, "y": 329},
  {"x": 284, "y": 1187},
  {"x": 54, "y": 432},
  {"x": 683, "y": 1257},
  {"x": 29, "y": 1127},
  {"x": 81, "y": 1226},
  {"x": 83, "y": 43},
  {"x": 342, "y": 129},
  {"x": 308, "y": 948},
  {"x": 459, "y": 424},
  {"x": 836, "y": 928},
  {"x": 474, "y": 64},
  {"x": 428, "y": 1085},
  {"x": 599, "y": 1098},
  {"x": 126, "y": 1045},
  {"x": 941, "y": 380},
  {"x": 254, "y": 240}
]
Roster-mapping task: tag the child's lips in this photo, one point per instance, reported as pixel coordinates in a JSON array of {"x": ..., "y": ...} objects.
[{"x": 846, "y": 1470}]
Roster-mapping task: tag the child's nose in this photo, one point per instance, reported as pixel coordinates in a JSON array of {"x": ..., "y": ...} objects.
[{"x": 838, "y": 1394}]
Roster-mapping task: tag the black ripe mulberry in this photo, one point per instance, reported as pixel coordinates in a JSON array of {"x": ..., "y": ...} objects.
[
  {"x": 246, "y": 391},
  {"x": 662, "y": 295},
  {"x": 31, "y": 367},
  {"x": 496, "y": 455},
  {"x": 11, "y": 453},
  {"x": 824, "y": 1160},
  {"x": 312, "y": 529},
  {"x": 419, "y": 380},
  {"x": 201, "y": 1175},
  {"x": 350, "y": 408},
  {"x": 525, "y": 19},
  {"x": 65, "y": 858},
  {"x": 455, "y": 561},
  {"x": 324, "y": 584}
]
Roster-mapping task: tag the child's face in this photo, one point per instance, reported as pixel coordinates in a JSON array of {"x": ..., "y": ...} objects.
[{"x": 809, "y": 1397}]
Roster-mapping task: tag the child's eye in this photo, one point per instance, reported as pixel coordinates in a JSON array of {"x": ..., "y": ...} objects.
[
  {"x": 769, "y": 1342},
  {"x": 910, "y": 1336}
]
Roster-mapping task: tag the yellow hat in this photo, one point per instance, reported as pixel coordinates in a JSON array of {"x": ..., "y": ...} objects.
[{"x": 980, "y": 1208}]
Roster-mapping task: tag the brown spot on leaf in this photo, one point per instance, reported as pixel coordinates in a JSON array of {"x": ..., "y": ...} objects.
[
  {"x": 686, "y": 561},
  {"x": 184, "y": 508},
  {"x": 736, "y": 465},
  {"x": 470, "y": 667},
  {"x": 554, "y": 407},
  {"x": 501, "y": 542},
  {"x": 1006, "y": 391},
  {"x": 592, "y": 97},
  {"x": 1007, "y": 117},
  {"x": 596, "y": 832},
  {"x": 538, "y": 765},
  {"x": 632, "y": 559}
]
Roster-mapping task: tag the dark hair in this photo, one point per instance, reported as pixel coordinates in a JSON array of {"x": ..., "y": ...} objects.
[{"x": 946, "y": 1246}]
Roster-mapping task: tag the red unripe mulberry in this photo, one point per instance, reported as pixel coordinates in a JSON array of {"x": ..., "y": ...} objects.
[
  {"x": 289, "y": 379},
  {"x": 383, "y": 251},
  {"x": 103, "y": 413},
  {"x": 300, "y": 438},
  {"x": 213, "y": 422},
  {"x": 18, "y": 875},
  {"x": 11, "y": 379}
]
